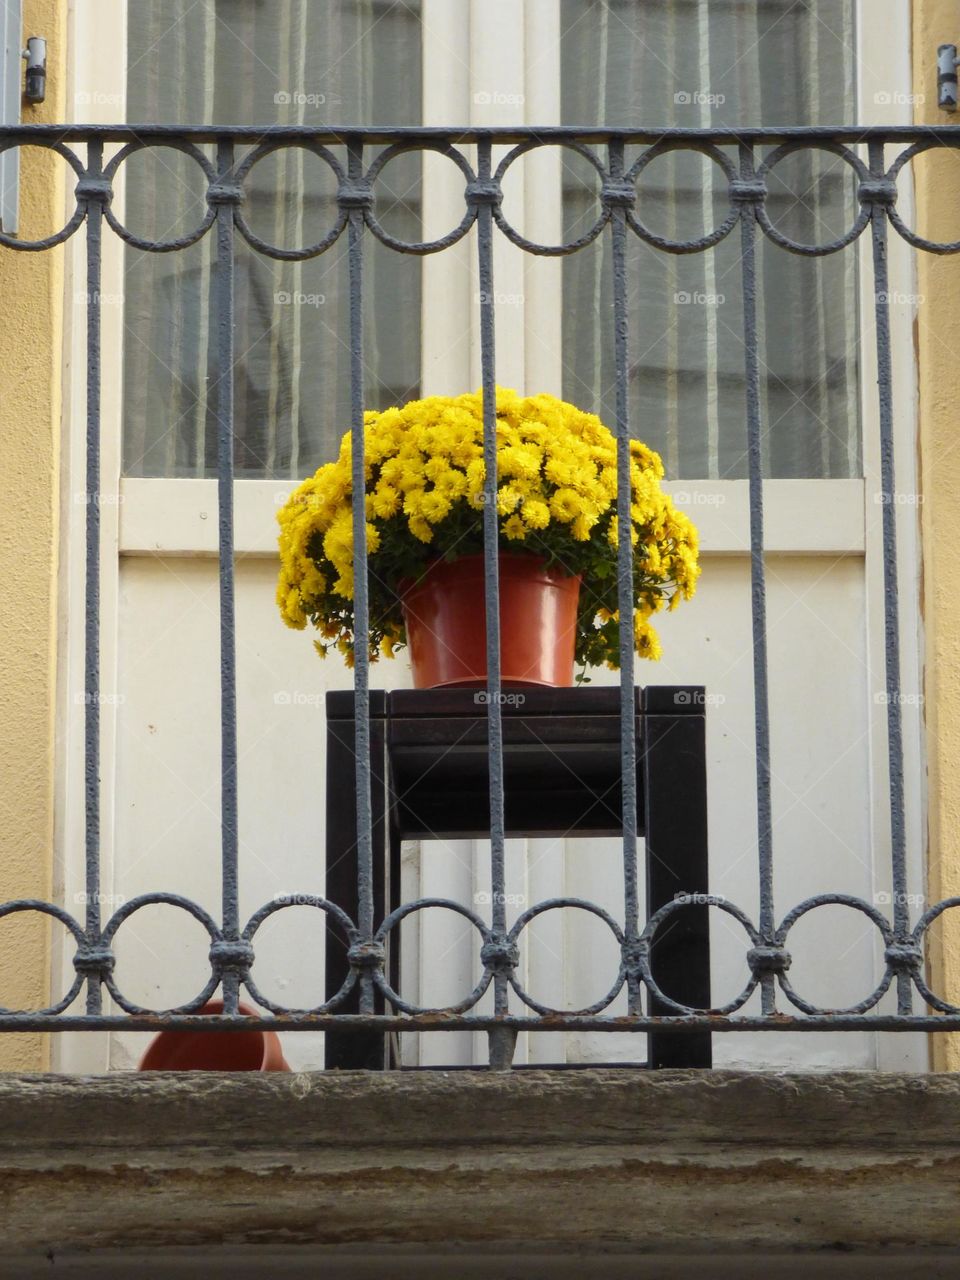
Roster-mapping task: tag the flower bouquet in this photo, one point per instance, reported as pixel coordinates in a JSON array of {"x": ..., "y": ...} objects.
[{"x": 556, "y": 502}]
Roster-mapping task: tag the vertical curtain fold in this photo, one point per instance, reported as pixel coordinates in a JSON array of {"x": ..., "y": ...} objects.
[
  {"x": 253, "y": 62},
  {"x": 697, "y": 64}
]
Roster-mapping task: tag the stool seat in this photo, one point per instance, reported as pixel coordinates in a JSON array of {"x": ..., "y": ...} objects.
[{"x": 561, "y": 761}]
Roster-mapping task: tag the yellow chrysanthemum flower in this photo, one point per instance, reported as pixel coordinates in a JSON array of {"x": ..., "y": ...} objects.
[
  {"x": 434, "y": 507},
  {"x": 613, "y": 533},
  {"x": 646, "y": 640},
  {"x": 451, "y": 483},
  {"x": 514, "y": 529},
  {"x": 557, "y": 470},
  {"x": 566, "y": 505},
  {"x": 420, "y": 528},
  {"x": 580, "y": 528},
  {"x": 536, "y": 513},
  {"x": 508, "y": 499},
  {"x": 520, "y": 460},
  {"x": 386, "y": 501},
  {"x": 291, "y": 609}
]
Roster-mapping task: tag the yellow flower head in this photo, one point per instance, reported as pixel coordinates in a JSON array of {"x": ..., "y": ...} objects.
[
  {"x": 515, "y": 529},
  {"x": 386, "y": 501},
  {"x": 536, "y": 513},
  {"x": 434, "y": 506},
  {"x": 566, "y": 505},
  {"x": 508, "y": 499}
]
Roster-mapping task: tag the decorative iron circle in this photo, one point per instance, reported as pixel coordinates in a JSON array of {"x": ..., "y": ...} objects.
[
  {"x": 840, "y": 900},
  {"x": 796, "y": 246},
  {"x": 179, "y": 242},
  {"x": 917, "y": 937},
  {"x": 670, "y": 909},
  {"x": 78, "y": 215},
  {"x": 532, "y": 246},
  {"x": 702, "y": 242},
  {"x": 79, "y": 937},
  {"x": 272, "y": 250},
  {"x": 350, "y": 932},
  {"x": 170, "y": 900},
  {"x": 911, "y": 237},
  {"x": 420, "y": 247},
  {"x": 556, "y": 904},
  {"x": 394, "y": 918}
]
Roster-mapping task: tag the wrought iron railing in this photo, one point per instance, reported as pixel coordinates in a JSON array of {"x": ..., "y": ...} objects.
[{"x": 756, "y": 152}]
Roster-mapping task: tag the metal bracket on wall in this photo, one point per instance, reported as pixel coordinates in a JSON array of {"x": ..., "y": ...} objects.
[
  {"x": 35, "y": 81},
  {"x": 947, "y": 77}
]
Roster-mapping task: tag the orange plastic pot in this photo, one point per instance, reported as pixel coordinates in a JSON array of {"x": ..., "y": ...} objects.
[
  {"x": 447, "y": 632},
  {"x": 215, "y": 1050}
]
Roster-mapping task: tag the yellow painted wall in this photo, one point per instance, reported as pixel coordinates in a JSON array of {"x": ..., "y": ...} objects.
[
  {"x": 937, "y": 179},
  {"x": 31, "y": 307}
]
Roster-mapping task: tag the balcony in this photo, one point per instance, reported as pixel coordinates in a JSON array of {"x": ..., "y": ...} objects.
[{"x": 432, "y": 1145}]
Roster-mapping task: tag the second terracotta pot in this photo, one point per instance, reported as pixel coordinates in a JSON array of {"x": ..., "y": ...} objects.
[
  {"x": 215, "y": 1050},
  {"x": 446, "y": 623}
]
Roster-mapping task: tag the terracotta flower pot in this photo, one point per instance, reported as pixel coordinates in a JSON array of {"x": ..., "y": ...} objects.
[
  {"x": 446, "y": 623},
  {"x": 215, "y": 1050}
]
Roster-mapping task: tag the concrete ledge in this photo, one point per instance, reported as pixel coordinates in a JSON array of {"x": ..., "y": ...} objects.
[{"x": 664, "y": 1163}]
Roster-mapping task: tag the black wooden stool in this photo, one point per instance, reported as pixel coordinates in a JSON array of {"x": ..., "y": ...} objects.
[{"x": 561, "y": 752}]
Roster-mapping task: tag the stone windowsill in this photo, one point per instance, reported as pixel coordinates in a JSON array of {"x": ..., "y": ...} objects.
[{"x": 671, "y": 1163}]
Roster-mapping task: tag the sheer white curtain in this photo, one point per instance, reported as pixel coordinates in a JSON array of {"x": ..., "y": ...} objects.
[
  {"x": 258, "y": 62},
  {"x": 701, "y": 63}
]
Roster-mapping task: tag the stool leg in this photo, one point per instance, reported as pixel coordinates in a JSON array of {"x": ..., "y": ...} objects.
[
  {"x": 674, "y": 788},
  {"x": 352, "y": 1049},
  {"x": 393, "y": 938}
]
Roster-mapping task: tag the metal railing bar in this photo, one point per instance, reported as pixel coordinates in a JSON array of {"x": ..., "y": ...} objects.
[
  {"x": 758, "y": 587},
  {"x": 361, "y": 670},
  {"x": 628, "y": 740},
  {"x": 947, "y": 134},
  {"x": 91, "y": 661},
  {"x": 891, "y": 598},
  {"x": 501, "y": 1045},
  {"x": 224, "y": 302},
  {"x": 476, "y": 1022}
]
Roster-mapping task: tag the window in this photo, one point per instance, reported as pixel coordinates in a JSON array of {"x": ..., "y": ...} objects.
[
  {"x": 492, "y": 63},
  {"x": 237, "y": 62},
  {"x": 686, "y": 63}
]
